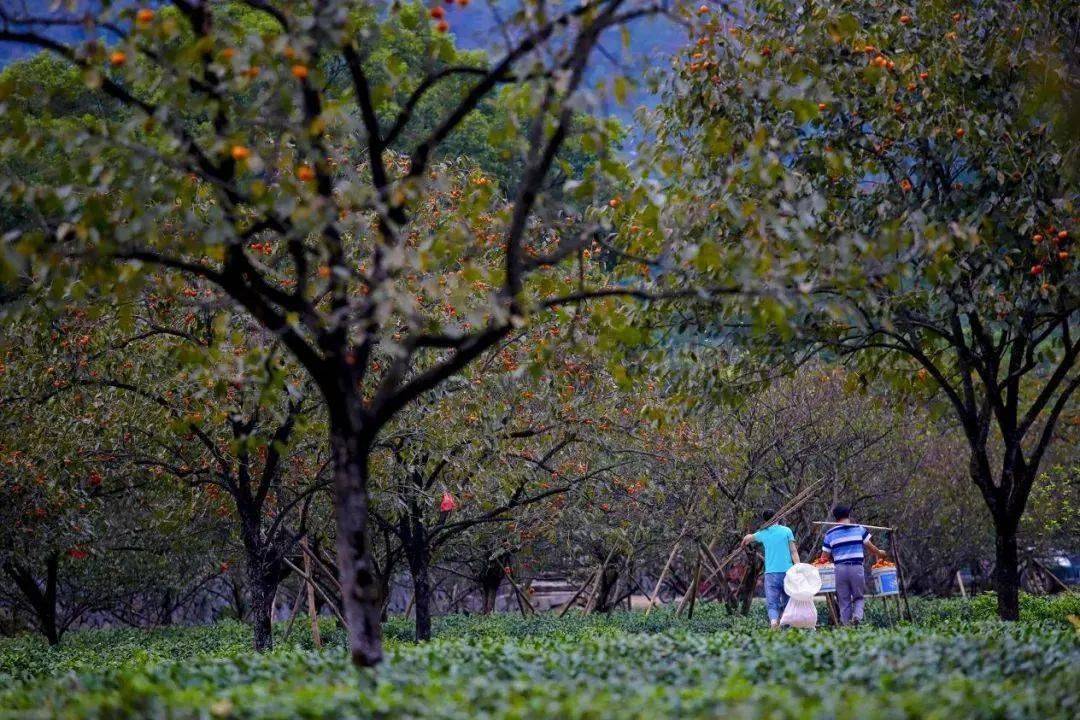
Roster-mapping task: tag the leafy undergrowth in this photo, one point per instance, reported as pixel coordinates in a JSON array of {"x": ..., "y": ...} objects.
[{"x": 950, "y": 664}]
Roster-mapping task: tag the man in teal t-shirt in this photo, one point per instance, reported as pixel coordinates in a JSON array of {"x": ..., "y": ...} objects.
[{"x": 781, "y": 553}]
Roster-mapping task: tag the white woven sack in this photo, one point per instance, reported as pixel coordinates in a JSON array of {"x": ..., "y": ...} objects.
[{"x": 802, "y": 581}]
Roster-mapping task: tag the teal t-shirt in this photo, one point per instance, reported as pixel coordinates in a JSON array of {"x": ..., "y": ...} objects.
[{"x": 775, "y": 539}]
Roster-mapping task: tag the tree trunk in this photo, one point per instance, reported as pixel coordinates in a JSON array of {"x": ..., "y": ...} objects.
[
  {"x": 47, "y": 611},
  {"x": 1007, "y": 574},
  {"x": 419, "y": 570},
  {"x": 43, "y": 602},
  {"x": 384, "y": 588},
  {"x": 263, "y": 569},
  {"x": 748, "y": 585},
  {"x": 48, "y": 627},
  {"x": 604, "y": 592},
  {"x": 1006, "y": 501},
  {"x": 361, "y": 593},
  {"x": 165, "y": 611},
  {"x": 490, "y": 593},
  {"x": 491, "y": 580},
  {"x": 262, "y": 588},
  {"x": 239, "y": 604}
]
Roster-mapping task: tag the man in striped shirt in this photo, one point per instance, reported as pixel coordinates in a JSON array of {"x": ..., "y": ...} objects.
[{"x": 844, "y": 543}]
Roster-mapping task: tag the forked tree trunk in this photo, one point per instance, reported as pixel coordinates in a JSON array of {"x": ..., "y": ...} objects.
[
  {"x": 361, "y": 591},
  {"x": 41, "y": 601},
  {"x": 1006, "y": 501}
]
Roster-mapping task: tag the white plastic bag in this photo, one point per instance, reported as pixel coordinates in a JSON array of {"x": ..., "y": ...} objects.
[
  {"x": 800, "y": 613},
  {"x": 801, "y": 583}
]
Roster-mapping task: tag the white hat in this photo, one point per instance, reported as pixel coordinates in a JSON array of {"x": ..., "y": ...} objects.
[{"x": 802, "y": 581}]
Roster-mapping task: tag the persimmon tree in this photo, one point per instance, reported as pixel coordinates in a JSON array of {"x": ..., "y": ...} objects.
[
  {"x": 76, "y": 537},
  {"x": 231, "y": 139},
  {"x": 495, "y": 447},
  {"x": 900, "y": 183},
  {"x": 196, "y": 401},
  {"x": 47, "y": 531}
]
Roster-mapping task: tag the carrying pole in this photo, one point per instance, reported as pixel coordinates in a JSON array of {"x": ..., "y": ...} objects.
[{"x": 872, "y": 527}]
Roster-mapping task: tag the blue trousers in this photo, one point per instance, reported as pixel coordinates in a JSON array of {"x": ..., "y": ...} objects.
[{"x": 775, "y": 597}]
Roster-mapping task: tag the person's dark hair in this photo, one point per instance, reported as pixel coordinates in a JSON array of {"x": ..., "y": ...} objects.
[
  {"x": 767, "y": 514},
  {"x": 841, "y": 512}
]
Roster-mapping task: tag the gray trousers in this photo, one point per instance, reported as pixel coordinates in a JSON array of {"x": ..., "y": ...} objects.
[{"x": 850, "y": 585}]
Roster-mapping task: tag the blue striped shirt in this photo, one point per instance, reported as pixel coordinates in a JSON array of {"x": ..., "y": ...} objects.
[{"x": 845, "y": 543}]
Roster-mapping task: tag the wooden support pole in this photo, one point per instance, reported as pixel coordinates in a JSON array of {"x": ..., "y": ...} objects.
[
  {"x": 834, "y": 609},
  {"x": 900, "y": 580},
  {"x": 331, "y": 571},
  {"x": 694, "y": 574},
  {"x": 570, "y": 603},
  {"x": 712, "y": 563},
  {"x": 710, "y": 556},
  {"x": 591, "y": 604},
  {"x": 663, "y": 573},
  {"x": 885, "y": 606},
  {"x": 1053, "y": 577},
  {"x": 521, "y": 597},
  {"x": 456, "y": 598},
  {"x": 325, "y": 597},
  {"x": 316, "y": 638},
  {"x": 294, "y": 611},
  {"x": 694, "y": 588},
  {"x": 641, "y": 589},
  {"x": 960, "y": 582},
  {"x": 517, "y": 599}
]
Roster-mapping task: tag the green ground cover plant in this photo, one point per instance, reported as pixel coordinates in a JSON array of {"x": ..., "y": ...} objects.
[{"x": 954, "y": 661}]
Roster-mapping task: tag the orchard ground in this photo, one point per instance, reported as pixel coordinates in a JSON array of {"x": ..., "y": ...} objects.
[{"x": 954, "y": 661}]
